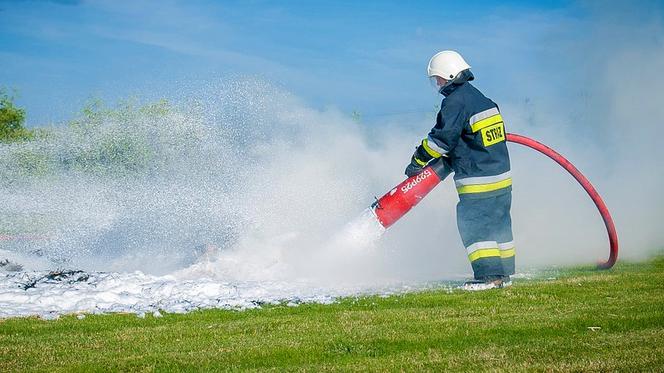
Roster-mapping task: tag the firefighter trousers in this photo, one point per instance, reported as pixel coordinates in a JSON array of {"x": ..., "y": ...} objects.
[{"x": 485, "y": 226}]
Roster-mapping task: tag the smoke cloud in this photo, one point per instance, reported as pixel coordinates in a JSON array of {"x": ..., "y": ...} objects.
[
  {"x": 248, "y": 174},
  {"x": 606, "y": 122}
]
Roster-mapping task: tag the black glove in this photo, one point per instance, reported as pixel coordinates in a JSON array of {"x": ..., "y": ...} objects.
[
  {"x": 420, "y": 159},
  {"x": 414, "y": 167}
]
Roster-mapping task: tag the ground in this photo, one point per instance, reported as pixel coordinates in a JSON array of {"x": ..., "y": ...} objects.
[{"x": 583, "y": 320}]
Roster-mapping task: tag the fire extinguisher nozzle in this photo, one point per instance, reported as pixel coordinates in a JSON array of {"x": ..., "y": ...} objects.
[{"x": 376, "y": 204}]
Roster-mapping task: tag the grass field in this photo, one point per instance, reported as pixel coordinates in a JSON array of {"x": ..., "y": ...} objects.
[{"x": 583, "y": 321}]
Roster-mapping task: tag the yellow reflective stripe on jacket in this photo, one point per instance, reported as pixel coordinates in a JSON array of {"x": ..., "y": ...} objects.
[
  {"x": 484, "y": 253},
  {"x": 481, "y": 188},
  {"x": 429, "y": 150},
  {"x": 479, "y": 120},
  {"x": 490, "y": 121}
]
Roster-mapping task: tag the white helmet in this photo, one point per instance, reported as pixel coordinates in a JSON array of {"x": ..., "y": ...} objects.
[{"x": 447, "y": 65}]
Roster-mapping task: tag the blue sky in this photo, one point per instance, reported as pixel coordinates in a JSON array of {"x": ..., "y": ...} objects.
[{"x": 368, "y": 56}]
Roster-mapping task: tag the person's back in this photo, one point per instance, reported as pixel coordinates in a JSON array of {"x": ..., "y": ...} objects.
[
  {"x": 469, "y": 135},
  {"x": 480, "y": 150}
]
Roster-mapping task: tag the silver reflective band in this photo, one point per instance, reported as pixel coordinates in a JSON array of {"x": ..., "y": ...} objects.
[
  {"x": 506, "y": 245},
  {"x": 432, "y": 144},
  {"x": 479, "y": 180},
  {"x": 482, "y": 245},
  {"x": 483, "y": 115}
]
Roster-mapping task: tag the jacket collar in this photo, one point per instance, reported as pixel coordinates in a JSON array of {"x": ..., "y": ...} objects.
[{"x": 452, "y": 85}]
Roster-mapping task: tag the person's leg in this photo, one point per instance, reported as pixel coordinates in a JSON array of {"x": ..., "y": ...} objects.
[
  {"x": 504, "y": 234},
  {"x": 476, "y": 220}
]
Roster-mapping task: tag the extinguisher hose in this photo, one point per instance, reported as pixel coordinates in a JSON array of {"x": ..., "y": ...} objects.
[{"x": 587, "y": 186}]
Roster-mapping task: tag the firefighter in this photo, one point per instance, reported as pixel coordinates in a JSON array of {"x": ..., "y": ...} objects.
[{"x": 469, "y": 136}]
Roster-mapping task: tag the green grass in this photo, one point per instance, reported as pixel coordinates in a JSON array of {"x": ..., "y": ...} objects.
[{"x": 535, "y": 325}]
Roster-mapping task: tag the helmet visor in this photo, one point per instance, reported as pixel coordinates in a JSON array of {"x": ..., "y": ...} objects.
[{"x": 436, "y": 82}]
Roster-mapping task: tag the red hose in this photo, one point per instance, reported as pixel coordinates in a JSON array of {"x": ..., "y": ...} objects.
[{"x": 603, "y": 210}]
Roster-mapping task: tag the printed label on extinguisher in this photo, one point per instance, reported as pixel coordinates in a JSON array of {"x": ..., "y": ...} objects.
[{"x": 418, "y": 179}]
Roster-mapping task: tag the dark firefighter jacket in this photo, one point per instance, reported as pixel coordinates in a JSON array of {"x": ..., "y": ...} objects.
[{"x": 470, "y": 133}]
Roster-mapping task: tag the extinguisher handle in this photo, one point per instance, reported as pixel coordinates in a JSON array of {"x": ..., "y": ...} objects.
[{"x": 441, "y": 167}]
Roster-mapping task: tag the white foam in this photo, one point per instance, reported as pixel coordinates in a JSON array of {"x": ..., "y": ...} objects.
[
  {"x": 226, "y": 279},
  {"x": 30, "y": 293}
]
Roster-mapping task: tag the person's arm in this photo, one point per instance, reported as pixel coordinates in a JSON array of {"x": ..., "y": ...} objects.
[
  {"x": 445, "y": 135},
  {"x": 442, "y": 139}
]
